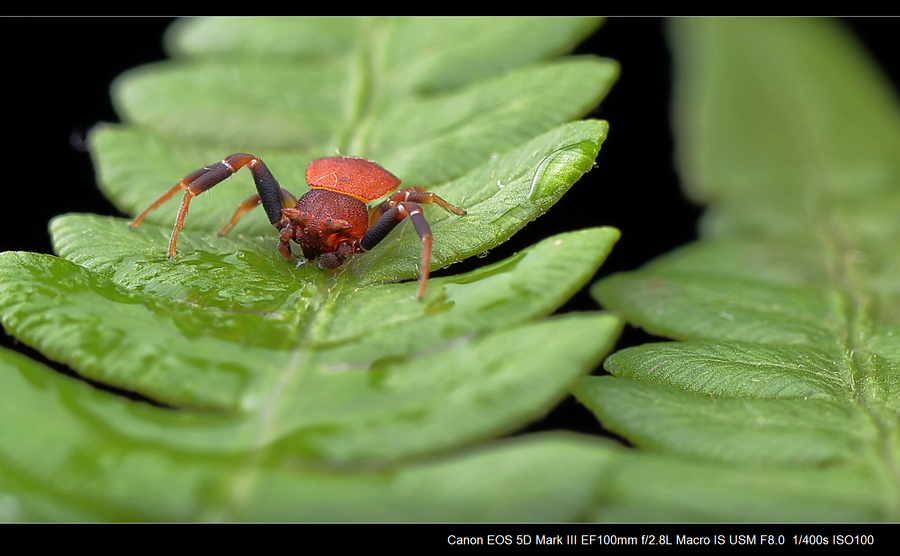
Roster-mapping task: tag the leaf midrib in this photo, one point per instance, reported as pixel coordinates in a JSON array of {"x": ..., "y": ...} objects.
[
  {"x": 850, "y": 303},
  {"x": 369, "y": 59}
]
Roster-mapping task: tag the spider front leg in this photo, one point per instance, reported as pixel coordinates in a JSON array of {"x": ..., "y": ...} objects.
[
  {"x": 405, "y": 203},
  {"x": 413, "y": 195},
  {"x": 269, "y": 193}
]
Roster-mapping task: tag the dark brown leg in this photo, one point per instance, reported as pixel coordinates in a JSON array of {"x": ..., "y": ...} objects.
[
  {"x": 180, "y": 186},
  {"x": 389, "y": 220},
  {"x": 268, "y": 190},
  {"x": 413, "y": 195}
]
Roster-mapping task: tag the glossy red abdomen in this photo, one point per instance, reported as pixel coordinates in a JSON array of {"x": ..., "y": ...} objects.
[{"x": 357, "y": 177}]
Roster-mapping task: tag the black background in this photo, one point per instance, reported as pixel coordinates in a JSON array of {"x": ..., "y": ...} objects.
[{"x": 57, "y": 73}]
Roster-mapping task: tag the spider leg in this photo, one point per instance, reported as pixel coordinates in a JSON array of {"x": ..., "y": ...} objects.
[
  {"x": 413, "y": 195},
  {"x": 389, "y": 220},
  {"x": 405, "y": 202},
  {"x": 268, "y": 191}
]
